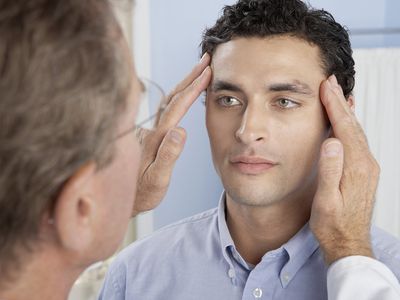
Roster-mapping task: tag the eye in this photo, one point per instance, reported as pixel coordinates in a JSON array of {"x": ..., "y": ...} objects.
[
  {"x": 228, "y": 101},
  {"x": 286, "y": 103}
]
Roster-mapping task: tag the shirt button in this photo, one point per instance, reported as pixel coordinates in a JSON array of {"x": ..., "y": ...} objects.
[
  {"x": 257, "y": 293},
  {"x": 231, "y": 273},
  {"x": 286, "y": 278}
]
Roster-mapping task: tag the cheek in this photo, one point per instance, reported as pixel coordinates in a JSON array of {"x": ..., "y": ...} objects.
[
  {"x": 125, "y": 175},
  {"x": 221, "y": 131},
  {"x": 130, "y": 165},
  {"x": 307, "y": 135}
]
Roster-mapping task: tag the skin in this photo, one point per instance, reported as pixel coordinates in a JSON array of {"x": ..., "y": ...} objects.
[
  {"x": 348, "y": 178},
  {"x": 164, "y": 143},
  {"x": 343, "y": 198},
  {"x": 272, "y": 112},
  {"x": 81, "y": 230},
  {"x": 348, "y": 174}
]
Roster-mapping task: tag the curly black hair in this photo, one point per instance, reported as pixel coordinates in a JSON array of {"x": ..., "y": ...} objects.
[{"x": 264, "y": 18}]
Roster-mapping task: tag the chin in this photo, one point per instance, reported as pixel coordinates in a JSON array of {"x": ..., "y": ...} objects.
[{"x": 252, "y": 196}]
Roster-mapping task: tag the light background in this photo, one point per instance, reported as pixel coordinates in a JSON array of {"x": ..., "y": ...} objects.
[
  {"x": 175, "y": 33},
  {"x": 166, "y": 36}
]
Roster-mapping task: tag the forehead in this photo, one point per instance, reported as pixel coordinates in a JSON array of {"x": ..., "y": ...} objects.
[{"x": 268, "y": 59}]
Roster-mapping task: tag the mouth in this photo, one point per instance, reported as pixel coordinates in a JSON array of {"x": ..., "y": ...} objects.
[{"x": 252, "y": 165}]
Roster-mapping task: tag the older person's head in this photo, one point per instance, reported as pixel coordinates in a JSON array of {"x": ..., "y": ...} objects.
[{"x": 67, "y": 172}]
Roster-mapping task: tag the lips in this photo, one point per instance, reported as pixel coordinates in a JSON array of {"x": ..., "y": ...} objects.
[{"x": 252, "y": 165}]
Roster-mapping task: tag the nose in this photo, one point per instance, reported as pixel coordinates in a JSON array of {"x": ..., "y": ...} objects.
[{"x": 253, "y": 128}]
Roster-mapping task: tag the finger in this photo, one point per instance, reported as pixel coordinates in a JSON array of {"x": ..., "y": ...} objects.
[
  {"x": 170, "y": 149},
  {"x": 330, "y": 168},
  {"x": 337, "y": 89},
  {"x": 141, "y": 134},
  {"x": 160, "y": 110},
  {"x": 344, "y": 123},
  {"x": 150, "y": 141},
  {"x": 196, "y": 72},
  {"x": 182, "y": 101}
]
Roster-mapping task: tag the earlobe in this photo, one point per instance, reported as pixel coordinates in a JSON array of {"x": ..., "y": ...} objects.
[{"x": 75, "y": 209}]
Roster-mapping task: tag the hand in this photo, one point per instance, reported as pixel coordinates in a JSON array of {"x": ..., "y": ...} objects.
[
  {"x": 162, "y": 145},
  {"x": 348, "y": 177}
]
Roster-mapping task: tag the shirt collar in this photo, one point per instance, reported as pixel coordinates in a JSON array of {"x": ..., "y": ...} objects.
[
  {"x": 224, "y": 235},
  {"x": 299, "y": 248}
]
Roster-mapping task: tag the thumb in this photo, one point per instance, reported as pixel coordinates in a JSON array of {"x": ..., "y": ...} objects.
[{"x": 330, "y": 166}]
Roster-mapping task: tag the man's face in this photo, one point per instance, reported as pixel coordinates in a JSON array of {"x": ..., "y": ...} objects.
[{"x": 265, "y": 120}]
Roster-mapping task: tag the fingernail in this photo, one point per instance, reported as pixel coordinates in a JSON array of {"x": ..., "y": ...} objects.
[
  {"x": 333, "y": 80},
  {"x": 201, "y": 78},
  {"x": 204, "y": 56},
  {"x": 329, "y": 84},
  {"x": 205, "y": 70},
  {"x": 332, "y": 149},
  {"x": 175, "y": 136}
]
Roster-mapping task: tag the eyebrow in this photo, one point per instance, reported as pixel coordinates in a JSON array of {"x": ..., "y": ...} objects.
[
  {"x": 221, "y": 85},
  {"x": 296, "y": 86}
]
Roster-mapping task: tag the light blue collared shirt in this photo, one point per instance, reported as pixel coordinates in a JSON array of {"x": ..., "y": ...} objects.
[{"x": 196, "y": 259}]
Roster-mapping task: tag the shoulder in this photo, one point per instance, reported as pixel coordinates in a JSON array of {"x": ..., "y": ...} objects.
[
  {"x": 386, "y": 249},
  {"x": 170, "y": 246},
  {"x": 188, "y": 232}
]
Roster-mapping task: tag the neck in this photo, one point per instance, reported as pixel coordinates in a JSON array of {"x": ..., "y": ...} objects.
[
  {"x": 256, "y": 230},
  {"x": 43, "y": 276}
]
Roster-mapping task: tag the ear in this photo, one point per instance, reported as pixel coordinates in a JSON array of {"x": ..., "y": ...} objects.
[{"x": 75, "y": 210}]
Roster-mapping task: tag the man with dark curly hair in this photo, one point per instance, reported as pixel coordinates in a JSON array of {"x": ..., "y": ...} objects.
[
  {"x": 280, "y": 68},
  {"x": 69, "y": 157}
]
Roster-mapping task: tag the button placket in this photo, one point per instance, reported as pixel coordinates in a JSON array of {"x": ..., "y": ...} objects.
[{"x": 231, "y": 273}]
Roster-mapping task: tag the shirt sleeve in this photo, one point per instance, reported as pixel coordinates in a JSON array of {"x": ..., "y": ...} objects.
[{"x": 361, "y": 278}]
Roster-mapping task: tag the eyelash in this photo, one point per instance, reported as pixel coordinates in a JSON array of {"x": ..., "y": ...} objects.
[
  {"x": 221, "y": 99},
  {"x": 294, "y": 103}
]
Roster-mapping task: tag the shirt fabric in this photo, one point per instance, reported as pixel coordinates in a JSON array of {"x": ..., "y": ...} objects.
[
  {"x": 196, "y": 258},
  {"x": 362, "y": 278}
]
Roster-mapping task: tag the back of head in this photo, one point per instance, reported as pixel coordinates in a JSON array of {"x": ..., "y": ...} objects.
[
  {"x": 64, "y": 81},
  {"x": 267, "y": 18}
]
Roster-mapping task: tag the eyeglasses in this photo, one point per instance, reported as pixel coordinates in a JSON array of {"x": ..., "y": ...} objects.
[{"x": 152, "y": 104}]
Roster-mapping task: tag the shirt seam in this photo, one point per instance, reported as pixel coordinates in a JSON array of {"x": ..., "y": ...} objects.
[{"x": 189, "y": 221}]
